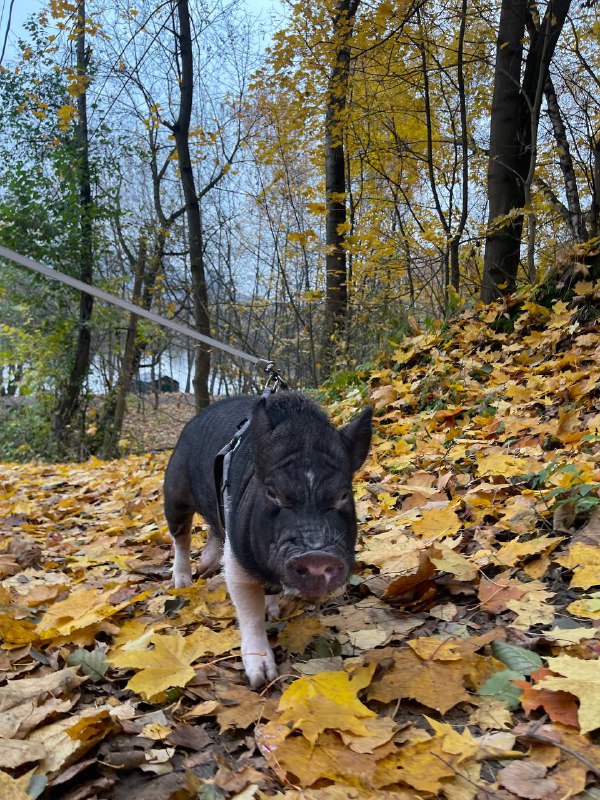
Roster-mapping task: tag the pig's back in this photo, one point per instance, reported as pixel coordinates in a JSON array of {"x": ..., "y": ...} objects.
[{"x": 189, "y": 479}]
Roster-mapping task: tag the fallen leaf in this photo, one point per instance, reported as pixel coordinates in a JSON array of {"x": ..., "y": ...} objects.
[
  {"x": 527, "y": 779},
  {"x": 579, "y": 678},
  {"x": 328, "y": 700},
  {"x": 169, "y": 663},
  {"x": 435, "y": 684},
  {"x": 584, "y": 560},
  {"x": 560, "y": 706},
  {"x": 436, "y": 523}
]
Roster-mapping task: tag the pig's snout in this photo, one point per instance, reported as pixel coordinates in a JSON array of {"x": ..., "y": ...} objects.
[{"x": 316, "y": 574}]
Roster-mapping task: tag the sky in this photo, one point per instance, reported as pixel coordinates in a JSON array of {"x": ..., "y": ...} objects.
[{"x": 23, "y": 9}]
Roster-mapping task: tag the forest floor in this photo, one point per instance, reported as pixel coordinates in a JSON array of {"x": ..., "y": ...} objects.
[{"x": 463, "y": 661}]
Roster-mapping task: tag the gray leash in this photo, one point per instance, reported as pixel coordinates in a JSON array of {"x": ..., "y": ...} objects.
[{"x": 185, "y": 330}]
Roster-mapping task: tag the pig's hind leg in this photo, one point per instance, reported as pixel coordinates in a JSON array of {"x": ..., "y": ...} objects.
[
  {"x": 211, "y": 556},
  {"x": 180, "y": 527},
  {"x": 248, "y": 597}
]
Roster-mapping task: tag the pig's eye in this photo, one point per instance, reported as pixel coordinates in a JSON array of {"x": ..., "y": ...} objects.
[
  {"x": 340, "y": 500},
  {"x": 271, "y": 496}
]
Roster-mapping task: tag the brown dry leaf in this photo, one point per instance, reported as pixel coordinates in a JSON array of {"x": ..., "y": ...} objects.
[
  {"x": 498, "y": 462},
  {"x": 66, "y": 741},
  {"x": 432, "y": 648},
  {"x": 560, "y": 706},
  {"x": 491, "y": 715},
  {"x": 407, "y": 583},
  {"x": 527, "y": 779},
  {"x": 299, "y": 633},
  {"x": 435, "y": 684},
  {"x": 380, "y": 731},
  {"x": 295, "y": 759},
  {"x": 532, "y": 609},
  {"x": 393, "y": 552},
  {"x": 495, "y": 593},
  {"x": 15, "y": 753},
  {"x": 579, "y": 678},
  {"x": 27, "y": 702},
  {"x": 587, "y": 607},
  {"x": 16, "y": 633},
  {"x": 240, "y": 707}
]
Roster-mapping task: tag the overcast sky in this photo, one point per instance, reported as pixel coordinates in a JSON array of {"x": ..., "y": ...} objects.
[{"x": 23, "y": 9}]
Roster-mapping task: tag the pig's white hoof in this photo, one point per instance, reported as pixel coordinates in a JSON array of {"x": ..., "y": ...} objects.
[
  {"x": 210, "y": 558},
  {"x": 260, "y": 668},
  {"x": 182, "y": 579}
]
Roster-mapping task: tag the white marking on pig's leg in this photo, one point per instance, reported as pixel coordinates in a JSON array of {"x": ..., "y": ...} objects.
[
  {"x": 248, "y": 597},
  {"x": 182, "y": 567},
  {"x": 210, "y": 559}
]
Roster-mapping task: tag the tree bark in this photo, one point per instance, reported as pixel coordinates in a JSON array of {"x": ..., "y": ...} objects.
[
  {"x": 181, "y": 129},
  {"x": 505, "y": 189},
  {"x": 575, "y": 217},
  {"x": 513, "y": 135},
  {"x": 336, "y": 277},
  {"x": 69, "y": 400}
]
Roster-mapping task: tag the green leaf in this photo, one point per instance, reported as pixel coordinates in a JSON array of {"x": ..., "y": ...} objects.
[
  {"x": 518, "y": 659},
  {"x": 499, "y": 687},
  {"x": 92, "y": 663}
]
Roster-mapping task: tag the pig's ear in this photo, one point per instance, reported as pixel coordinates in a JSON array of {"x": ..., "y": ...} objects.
[{"x": 356, "y": 435}]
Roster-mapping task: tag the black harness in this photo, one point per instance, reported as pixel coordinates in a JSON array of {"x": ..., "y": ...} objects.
[{"x": 223, "y": 458}]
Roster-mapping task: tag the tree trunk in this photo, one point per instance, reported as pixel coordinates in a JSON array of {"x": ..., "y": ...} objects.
[
  {"x": 69, "y": 400},
  {"x": 575, "y": 219},
  {"x": 181, "y": 129},
  {"x": 595, "y": 214},
  {"x": 336, "y": 280},
  {"x": 513, "y": 135},
  {"x": 505, "y": 190}
]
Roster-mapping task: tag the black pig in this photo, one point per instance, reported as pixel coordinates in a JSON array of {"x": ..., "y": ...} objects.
[{"x": 292, "y": 522}]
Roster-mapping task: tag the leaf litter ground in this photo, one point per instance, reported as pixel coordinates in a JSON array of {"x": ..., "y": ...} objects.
[{"x": 462, "y": 662}]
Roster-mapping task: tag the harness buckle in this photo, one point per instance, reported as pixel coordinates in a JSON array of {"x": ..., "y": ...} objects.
[{"x": 274, "y": 380}]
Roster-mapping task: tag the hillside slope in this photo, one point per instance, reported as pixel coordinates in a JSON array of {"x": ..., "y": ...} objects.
[{"x": 462, "y": 662}]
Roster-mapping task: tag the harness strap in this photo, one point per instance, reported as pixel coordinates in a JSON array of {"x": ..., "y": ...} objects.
[
  {"x": 221, "y": 470},
  {"x": 224, "y": 456}
]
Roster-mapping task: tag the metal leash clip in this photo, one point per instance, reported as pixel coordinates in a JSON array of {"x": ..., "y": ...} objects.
[{"x": 274, "y": 380}]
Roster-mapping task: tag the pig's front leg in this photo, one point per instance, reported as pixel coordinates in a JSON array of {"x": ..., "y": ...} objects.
[{"x": 248, "y": 597}]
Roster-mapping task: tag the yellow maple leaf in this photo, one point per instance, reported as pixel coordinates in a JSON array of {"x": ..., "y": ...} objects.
[
  {"x": 581, "y": 678},
  {"x": 584, "y": 560},
  {"x": 429, "y": 763},
  {"x": 447, "y": 560},
  {"x": 502, "y": 463},
  {"x": 437, "y": 523},
  {"x": 587, "y": 607},
  {"x": 80, "y": 610},
  {"x": 514, "y": 552},
  {"x": 327, "y": 700},
  {"x": 169, "y": 663}
]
